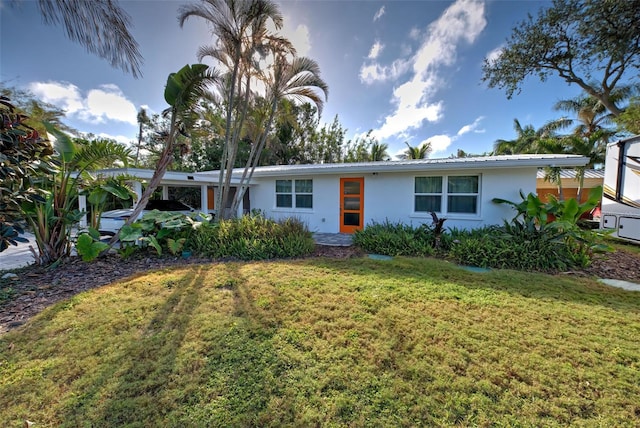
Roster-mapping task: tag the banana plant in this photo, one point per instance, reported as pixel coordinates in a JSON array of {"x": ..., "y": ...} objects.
[
  {"x": 53, "y": 220},
  {"x": 183, "y": 91}
]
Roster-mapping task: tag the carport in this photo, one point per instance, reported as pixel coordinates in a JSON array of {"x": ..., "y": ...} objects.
[{"x": 137, "y": 177}]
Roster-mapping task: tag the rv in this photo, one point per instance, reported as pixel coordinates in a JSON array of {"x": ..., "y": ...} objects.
[{"x": 621, "y": 196}]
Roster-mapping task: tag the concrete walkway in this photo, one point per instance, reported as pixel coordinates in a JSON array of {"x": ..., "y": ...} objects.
[
  {"x": 333, "y": 239},
  {"x": 19, "y": 256}
]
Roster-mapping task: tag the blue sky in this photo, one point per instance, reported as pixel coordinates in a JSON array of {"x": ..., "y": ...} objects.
[{"x": 408, "y": 70}]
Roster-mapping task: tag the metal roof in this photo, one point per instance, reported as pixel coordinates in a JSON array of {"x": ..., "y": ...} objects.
[
  {"x": 480, "y": 162},
  {"x": 571, "y": 173},
  {"x": 170, "y": 177}
]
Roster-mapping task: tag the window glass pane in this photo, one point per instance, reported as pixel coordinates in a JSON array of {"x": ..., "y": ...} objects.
[
  {"x": 351, "y": 187},
  {"x": 352, "y": 204},
  {"x": 283, "y": 186},
  {"x": 462, "y": 204},
  {"x": 304, "y": 186},
  {"x": 304, "y": 201},
  {"x": 428, "y": 185},
  {"x": 283, "y": 201},
  {"x": 463, "y": 184},
  {"x": 428, "y": 203},
  {"x": 351, "y": 219}
]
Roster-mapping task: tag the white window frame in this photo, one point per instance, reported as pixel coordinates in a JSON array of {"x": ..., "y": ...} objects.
[
  {"x": 444, "y": 197},
  {"x": 293, "y": 195}
]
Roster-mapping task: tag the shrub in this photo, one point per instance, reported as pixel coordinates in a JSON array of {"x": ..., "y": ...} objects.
[
  {"x": 395, "y": 239},
  {"x": 519, "y": 245},
  {"x": 252, "y": 237}
]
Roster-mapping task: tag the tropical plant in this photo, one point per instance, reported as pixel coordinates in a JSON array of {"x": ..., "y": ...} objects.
[
  {"x": 240, "y": 28},
  {"x": 24, "y": 156},
  {"x": 143, "y": 120},
  {"x": 252, "y": 237},
  {"x": 161, "y": 230},
  {"x": 183, "y": 91},
  {"x": 101, "y": 26},
  {"x": 379, "y": 152},
  {"x": 629, "y": 121},
  {"x": 52, "y": 219},
  {"x": 528, "y": 140},
  {"x": 577, "y": 40},
  {"x": 418, "y": 152},
  {"x": 590, "y": 134},
  {"x": 296, "y": 79}
]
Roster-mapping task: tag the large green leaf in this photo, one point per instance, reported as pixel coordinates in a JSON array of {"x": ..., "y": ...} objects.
[
  {"x": 63, "y": 144},
  {"x": 88, "y": 248},
  {"x": 182, "y": 81}
]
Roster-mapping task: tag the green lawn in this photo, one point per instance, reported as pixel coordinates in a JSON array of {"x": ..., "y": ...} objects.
[{"x": 318, "y": 342}]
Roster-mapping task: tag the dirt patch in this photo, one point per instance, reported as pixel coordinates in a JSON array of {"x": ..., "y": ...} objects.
[{"x": 37, "y": 288}]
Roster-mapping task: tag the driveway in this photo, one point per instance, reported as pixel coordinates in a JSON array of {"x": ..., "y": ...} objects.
[{"x": 18, "y": 256}]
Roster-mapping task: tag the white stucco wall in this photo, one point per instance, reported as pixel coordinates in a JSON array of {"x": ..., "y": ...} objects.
[{"x": 390, "y": 195}]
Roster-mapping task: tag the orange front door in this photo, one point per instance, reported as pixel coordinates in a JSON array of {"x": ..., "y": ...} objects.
[{"x": 351, "y": 204}]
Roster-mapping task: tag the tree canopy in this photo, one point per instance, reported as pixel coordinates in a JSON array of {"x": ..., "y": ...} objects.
[{"x": 594, "y": 44}]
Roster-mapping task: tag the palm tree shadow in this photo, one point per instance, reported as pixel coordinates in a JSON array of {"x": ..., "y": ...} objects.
[{"x": 143, "y": 366}]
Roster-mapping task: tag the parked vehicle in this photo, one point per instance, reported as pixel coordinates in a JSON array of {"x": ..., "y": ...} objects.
[
  {"x": 112, "y": 221},
  {"x": 621, "y": 196}
]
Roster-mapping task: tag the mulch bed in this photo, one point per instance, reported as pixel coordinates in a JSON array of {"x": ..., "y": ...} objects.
[{"x": 37, "y": 288}]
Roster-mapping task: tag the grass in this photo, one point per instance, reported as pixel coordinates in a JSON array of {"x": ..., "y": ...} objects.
[{"x": 408, "y": 342}]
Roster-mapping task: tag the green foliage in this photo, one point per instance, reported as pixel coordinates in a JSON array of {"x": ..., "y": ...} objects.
[
  {"x": 160, "y": 230},
  {"x": 89, "y": 246},
  {"x": 395, "y": 239},
  {"x": 629, "y": 120},
  {"x": 10, "y": 235},
  {"x": 24, "y": 156},
  {"x": 176, "y": 245},
  {"x": 519, "y": 245},
  {"x": 252, "y": 238},
  {"x": 542, "y": 237},
  {"x": 579, "y": 41},
  {"x": 53, "y": 217}
]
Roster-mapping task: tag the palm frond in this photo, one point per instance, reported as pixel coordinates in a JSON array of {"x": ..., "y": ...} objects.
[{"x": 101, "y": 26}]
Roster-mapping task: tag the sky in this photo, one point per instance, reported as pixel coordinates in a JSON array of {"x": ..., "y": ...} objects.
[{"x": 410, "y": 71}]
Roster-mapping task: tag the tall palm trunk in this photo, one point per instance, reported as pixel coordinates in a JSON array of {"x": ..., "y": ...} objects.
[{"x": 254, "y": 158}]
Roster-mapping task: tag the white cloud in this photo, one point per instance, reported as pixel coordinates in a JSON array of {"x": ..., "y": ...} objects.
[
  {"x": 463, "y": 21},
  {"x": 494, "y": 54},
  {"x": 376, "y": 49},
  {"x": 439, "y": 143},
  {"x": 97, "y": 106},
  {"x": 298, "y": 36},
  {"x": 378, "y": 14},
  {"x": 119, "y": 138},
  {"x": 471, "y": 127},
  {"x": 374, "y": 72},
  {"x": 61, "y": 94},
  {"x": 109, "y": 103}
]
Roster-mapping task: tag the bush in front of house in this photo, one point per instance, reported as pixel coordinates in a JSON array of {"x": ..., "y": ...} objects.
[
  {"x": 395, "y": 239},
  {"x": 520, "y": 246},
  {"x": 515, "y": 245},
  {"x": 252, "y": 237}
]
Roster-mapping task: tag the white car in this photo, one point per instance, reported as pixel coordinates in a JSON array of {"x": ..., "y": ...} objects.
[{"x": 112, "y": 221}]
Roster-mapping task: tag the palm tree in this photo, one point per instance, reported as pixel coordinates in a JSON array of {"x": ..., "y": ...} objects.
[
  {"x": 418, "y": 152},
  {"x": 183, "y": 91},
  {"x": 298, "y": 79},
  {"x": 590, "y": 134},
  {"x": 143, "y": 119},
  {"x": 379, "y": 152},
  {"x": 240, "y": 28},
  {"x": 101, "y": 26},
  {"x": 527, "y": 140}
]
